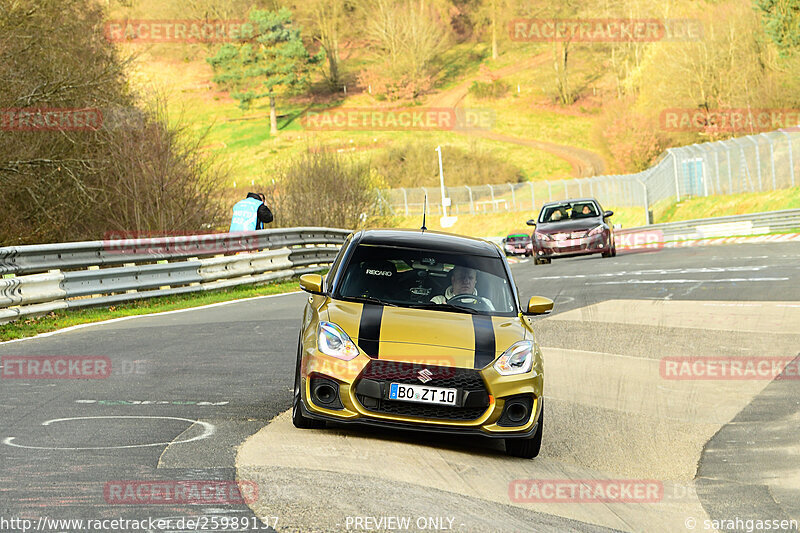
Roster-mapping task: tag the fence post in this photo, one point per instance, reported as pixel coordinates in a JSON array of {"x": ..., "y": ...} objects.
[
  {"x": 491, "y": 190},
  {"x": 566, "y": 190},
  {"x": 772, "y": 159},
  {"x": 513, "y": 197},
  {"x": 580, "y": 187},
  {"x": 471, "y": 205},
  {"x": 730, "y": 172},
  {"x": 791, "y": 159},
  {"x": 677, "y": 181},
  {"x": 533, "y": 198},
  {"x": 405, "y": 199},
  {"x": 758, "y": 163}
]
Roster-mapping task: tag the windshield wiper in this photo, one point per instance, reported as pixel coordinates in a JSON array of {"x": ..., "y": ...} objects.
[
  {"x": 444, "y": 307},
  {"x": 369, "y": 300}
]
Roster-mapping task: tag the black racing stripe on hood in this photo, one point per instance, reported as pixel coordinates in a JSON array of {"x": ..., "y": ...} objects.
[
  {"x": 369, "y": 329},
  {"x": 484, "y": 340}
]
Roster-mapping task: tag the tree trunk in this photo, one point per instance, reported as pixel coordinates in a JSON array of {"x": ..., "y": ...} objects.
[
  {"x": 273, "y": 117},
  {"x": 494, "y": 29}
]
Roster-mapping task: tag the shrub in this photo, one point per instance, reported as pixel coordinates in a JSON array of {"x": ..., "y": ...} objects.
[
  {"x": 492, "y": 89},
  {"x": 324, "y": 189}
]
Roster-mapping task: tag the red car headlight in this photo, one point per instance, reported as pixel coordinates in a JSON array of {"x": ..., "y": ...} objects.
[
  {"x": 543, "y": 236},
  {"x": 597, "y": 231}
]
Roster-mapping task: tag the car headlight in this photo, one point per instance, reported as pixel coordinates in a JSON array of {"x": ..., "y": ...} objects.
[
  {"x": 543, "y": 236},
  {"x": 331, "y": 340},
  {"x": 597, "y": 231},
  {"x": 529, "y": 246},
  {"x": 516, "y": 360}
]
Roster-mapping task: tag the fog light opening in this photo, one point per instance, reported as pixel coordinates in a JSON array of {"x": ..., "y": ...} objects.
[{"x": 517, "y": 412}]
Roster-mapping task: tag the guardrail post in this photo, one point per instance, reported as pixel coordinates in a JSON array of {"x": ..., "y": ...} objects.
[{"x": 791, "y": 159}]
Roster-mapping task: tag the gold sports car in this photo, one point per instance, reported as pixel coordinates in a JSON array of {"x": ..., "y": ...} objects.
[{"x": 423, "y": 331}]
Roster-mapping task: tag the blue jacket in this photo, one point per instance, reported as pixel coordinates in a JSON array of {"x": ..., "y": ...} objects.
[{"x": 245, "y": 215}]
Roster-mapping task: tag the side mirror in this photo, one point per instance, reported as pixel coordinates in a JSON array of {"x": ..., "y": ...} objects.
[
  {"x": 311, "y": 283},
  {"x": 539, "y": 305},
  {"x": 531, "y": 222},
  {"x": 607, "y": 214}
]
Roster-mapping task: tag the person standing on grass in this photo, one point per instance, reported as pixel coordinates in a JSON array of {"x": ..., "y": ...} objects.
[{"x": 250, "y": 214}]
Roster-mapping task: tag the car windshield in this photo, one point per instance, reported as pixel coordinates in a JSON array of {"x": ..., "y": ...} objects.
[
  {"x": 517, "y": 238},
  {"x": 427, "y": 279},
  {"x": 567, "y": 211}
]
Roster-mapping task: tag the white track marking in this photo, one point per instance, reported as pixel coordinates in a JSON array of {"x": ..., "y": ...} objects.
[
  {"x": 208, "y": 430},
  {"x": 669, "y": 281}
]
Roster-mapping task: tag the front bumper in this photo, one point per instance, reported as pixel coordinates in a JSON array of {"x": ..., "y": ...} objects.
[
  {"x": 573, "y": 247},
  {"x": 481, "y": 412}
]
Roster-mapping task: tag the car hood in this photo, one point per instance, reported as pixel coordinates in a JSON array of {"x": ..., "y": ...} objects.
[
  {"x": 570, "y": 225},
  {"x": 426, "y": 336}
]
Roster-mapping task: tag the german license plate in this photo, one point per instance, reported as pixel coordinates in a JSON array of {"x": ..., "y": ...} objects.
[{"x": 422, "y": 394}]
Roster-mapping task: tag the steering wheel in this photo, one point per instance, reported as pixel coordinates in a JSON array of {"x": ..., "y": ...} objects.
[{"x": 478, "y": 303}]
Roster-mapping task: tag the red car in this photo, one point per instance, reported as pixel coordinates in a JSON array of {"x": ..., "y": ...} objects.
[
  {"x": 519, "y": 243},
  {"x": 570, "y": 228}
]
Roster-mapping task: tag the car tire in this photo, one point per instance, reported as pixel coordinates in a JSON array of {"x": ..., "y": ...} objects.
[
  {"x": 614, "y": 250},
  {"x": 527, "y": 448},
  {"x": 298, "y": 419},
  {"x": 543, "y": 261}
]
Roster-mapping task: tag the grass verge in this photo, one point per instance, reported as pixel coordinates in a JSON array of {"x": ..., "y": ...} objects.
[{"x": 31, "y": 326}]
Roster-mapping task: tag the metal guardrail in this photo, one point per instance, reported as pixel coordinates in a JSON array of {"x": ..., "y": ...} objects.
[
  {"x": 43, "y": 278},
  {"x": 728, "y": 226}
]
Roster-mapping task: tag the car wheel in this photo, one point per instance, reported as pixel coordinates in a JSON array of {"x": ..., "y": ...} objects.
[
  {"x": 298, "y": 419},
  {"x": 543, "y": 261},
  {"x": 527, "y": 448},
  {"x": 607, "y": 254},
  {"x": 614, "y": 250}
]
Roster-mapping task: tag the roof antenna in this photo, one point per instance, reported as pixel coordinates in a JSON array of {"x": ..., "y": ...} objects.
[{"x": 424, "y": 212}]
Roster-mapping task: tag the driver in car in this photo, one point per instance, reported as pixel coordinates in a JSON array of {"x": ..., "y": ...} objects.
[{"x": 462, "y": 283}]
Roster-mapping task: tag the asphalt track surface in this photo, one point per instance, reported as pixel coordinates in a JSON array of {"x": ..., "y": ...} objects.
[{"x": 216, "y": 384}]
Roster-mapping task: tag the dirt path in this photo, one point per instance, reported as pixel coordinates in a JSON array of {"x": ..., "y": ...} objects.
[{"x": 584, "y": 163}]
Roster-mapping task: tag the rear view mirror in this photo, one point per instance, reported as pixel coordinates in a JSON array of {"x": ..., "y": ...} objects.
[
  {"x": 539, "y": 305},
  {"x": 311, "y": 283},
  {"x": 531, "y": 222},
  {"x": 607, "y": 214}
]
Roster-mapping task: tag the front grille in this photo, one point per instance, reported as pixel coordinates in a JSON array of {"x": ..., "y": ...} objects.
[
  {"x": 385, "y": 372},
  {"x": 441, "y": 412}
]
